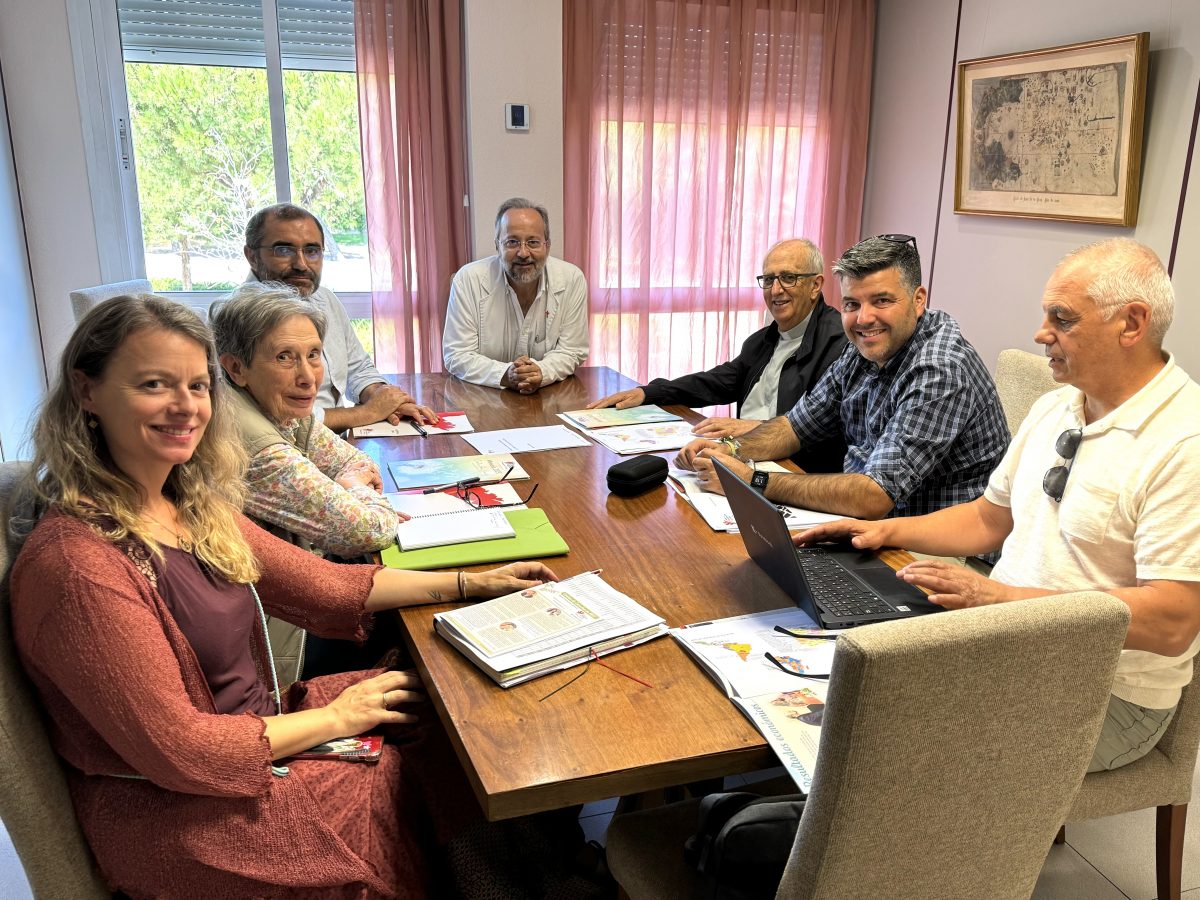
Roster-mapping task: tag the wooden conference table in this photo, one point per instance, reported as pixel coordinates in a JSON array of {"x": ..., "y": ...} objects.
[{"x": 604, "y": 735}]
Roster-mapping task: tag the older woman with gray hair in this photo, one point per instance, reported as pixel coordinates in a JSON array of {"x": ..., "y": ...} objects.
[{"x": 305, "y": 482}]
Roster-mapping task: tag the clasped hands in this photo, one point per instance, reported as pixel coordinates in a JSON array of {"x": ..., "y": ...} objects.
[{"x": 523, "y": 375}]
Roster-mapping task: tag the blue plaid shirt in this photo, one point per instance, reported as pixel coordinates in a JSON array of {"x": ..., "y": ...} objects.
[{"x": 927, "y": 427}]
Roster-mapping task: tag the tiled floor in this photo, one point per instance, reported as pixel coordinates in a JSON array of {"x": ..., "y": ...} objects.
[{"x": 1105, "y": 859}]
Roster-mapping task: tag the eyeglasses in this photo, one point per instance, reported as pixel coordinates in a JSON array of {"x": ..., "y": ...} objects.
[
  {"x": 533, "y": 244},
  {"x": 787, "y": 279},
  {"x": 1055, "y": 481},
  {"x": 312, "y": 252},
  {"x": 474, "y": 496}
]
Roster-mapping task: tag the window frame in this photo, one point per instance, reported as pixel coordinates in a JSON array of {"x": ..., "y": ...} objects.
[{"x": 108, "y": 139}]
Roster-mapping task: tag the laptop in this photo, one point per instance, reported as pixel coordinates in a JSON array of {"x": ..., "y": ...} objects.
[{"x": 837, "y": 585}]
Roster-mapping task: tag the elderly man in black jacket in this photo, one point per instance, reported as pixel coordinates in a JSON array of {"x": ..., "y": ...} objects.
[{"x": 777, "y": 365}]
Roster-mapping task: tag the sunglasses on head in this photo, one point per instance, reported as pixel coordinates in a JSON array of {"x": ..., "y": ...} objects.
[{"x": 893, "y": 238}]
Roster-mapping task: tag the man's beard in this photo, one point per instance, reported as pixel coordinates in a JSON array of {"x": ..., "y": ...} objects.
[
  {"x": 524, "y": 274},
  {"x": 264, "y": 276}
]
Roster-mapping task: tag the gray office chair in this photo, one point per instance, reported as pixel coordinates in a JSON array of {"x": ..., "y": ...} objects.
[
  {"x": 1163, "y": 779},
  {"x": 85, "y": 298},
  {"x": 1021, "y": 377},
  {"x": 951, "y": 751},
  {"x": 34, "y": 802}
]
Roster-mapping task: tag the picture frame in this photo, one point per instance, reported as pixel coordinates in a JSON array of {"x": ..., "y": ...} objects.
[{"x": 1053, "y": 133}]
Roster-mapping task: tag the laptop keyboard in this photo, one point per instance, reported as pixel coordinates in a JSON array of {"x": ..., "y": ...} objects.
[{"x": 835, "y": 590}]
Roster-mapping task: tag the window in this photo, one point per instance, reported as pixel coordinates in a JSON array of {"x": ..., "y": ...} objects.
[
  {"x": 709, "y": 131},
  {"x": 231, "y": 111}
]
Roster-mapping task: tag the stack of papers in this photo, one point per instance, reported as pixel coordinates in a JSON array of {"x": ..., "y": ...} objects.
[
  {"x": 447, "y": 423},
  {"x": 450, "y": 470},
  {"x": 782, "y": 701},
  {"x": 714, "y": 508},
  {"x": 534, "y": 632},
  {"x": 610, "y": 417}
]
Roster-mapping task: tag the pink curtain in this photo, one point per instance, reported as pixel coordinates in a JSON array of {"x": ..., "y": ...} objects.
[
  {"x": 697, "y": 133},
  {"x": 410, "y": 99}
]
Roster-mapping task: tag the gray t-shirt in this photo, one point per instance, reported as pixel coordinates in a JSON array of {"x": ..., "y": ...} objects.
[{"x": 763, "y": 398}]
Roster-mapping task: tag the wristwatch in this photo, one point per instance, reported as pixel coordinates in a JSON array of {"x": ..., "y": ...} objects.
[
  {"x": 758, "y": 481},
  {"x": 732, "y": 444}
]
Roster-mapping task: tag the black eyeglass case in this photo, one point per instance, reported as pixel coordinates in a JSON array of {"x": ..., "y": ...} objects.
[{"x": 638, "y": 475}]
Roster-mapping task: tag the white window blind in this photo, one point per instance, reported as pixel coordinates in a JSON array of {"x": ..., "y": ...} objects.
[{"x": 314, "y": 34}]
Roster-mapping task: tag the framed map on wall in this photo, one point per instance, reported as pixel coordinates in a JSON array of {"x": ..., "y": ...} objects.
[{"x": 1055, "y": 133}]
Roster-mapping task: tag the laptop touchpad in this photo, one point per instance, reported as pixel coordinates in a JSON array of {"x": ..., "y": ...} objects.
[{"x": 885, "y": 583}]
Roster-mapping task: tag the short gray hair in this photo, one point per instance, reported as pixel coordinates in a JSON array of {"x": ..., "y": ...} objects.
[
  {"x": 253, "y": 311},
  {"x": 522, "y": 203},
  {"x": 816, "y": 262},
  {"x": 1117, "y": 271},
  {"x": 877, "y": 254}
]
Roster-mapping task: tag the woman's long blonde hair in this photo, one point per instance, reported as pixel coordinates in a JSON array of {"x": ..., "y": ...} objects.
[{"x": 73, "y": 470}]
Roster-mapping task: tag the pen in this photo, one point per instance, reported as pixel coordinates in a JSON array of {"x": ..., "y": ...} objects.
[{"x": 420, "y": 429}]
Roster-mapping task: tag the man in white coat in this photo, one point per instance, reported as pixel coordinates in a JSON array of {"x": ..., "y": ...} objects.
[{"x": 517, "y": 320}]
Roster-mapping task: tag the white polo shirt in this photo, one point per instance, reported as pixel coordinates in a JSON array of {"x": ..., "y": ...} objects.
[{"x": 1130, "y": 512}]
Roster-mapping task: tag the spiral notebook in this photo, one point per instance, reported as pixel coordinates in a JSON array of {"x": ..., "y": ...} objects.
[{"x": 441, "y": 529}]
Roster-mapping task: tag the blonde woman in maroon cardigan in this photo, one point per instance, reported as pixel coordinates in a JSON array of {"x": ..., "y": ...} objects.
[{"x": 137, "y": 607}]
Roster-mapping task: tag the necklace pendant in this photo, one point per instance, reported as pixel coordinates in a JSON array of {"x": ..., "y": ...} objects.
[{"x": 184, "y": 544}]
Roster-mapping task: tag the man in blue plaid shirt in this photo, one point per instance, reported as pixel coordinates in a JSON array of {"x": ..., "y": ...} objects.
[{"x": 912, "y": 399}]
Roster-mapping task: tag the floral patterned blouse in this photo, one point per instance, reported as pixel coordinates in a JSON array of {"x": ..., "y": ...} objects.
[{"x": 298, "y": 494}]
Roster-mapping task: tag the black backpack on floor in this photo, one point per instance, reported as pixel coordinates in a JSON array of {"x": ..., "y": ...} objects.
[{"x": 742, "y": 844}]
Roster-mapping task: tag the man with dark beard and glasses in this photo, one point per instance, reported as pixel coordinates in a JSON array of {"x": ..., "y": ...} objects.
[
  {"x": 285, "y": 244},
  {"x": 517, "y": 320}
]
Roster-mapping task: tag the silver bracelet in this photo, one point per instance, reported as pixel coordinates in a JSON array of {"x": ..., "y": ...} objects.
[{"x": 462, "y": 582}]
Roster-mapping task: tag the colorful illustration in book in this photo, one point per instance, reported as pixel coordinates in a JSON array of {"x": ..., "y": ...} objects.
[
  {"x": 742, "y": 650},
  {"x": 804, "y": 706},
  {"x": 801, "y": 666},
  {"x": 412, "y": 473}
]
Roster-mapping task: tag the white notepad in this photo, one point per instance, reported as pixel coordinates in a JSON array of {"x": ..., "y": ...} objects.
[{"x": 444, "y": 529}]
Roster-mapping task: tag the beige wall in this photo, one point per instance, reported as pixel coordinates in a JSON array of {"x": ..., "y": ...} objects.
[
  {"x": 989, "y": 272},
  {"x": 514, "y": 56}
]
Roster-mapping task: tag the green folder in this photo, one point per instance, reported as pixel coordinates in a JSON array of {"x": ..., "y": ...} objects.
[{"x": 535, "y": 538}]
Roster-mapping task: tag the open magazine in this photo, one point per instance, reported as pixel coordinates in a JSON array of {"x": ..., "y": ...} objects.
[
  {"x": 783, "y": 697},
  {"x": 554, "y": 626}
]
